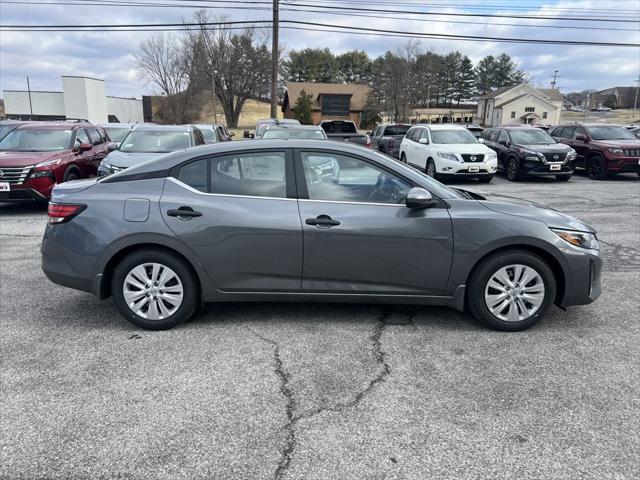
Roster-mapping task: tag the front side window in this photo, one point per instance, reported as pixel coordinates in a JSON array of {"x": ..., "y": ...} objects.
[
  {"x": 155, "y": 141},
  {"x": 339, "y": 178},
  {"x": 94, "y": 135},
  {"x": 503, "y": 137},
  {"x": 36, "y": 140},
  {"x": 568, "y": 132},
  {"x": 247, "y": 174},
  {"x": 82, "y": 137}
]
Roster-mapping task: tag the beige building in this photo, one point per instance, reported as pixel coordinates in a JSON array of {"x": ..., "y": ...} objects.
[
  {"x": 330, "y": 101},
  {"x": 520, "y": 104}
]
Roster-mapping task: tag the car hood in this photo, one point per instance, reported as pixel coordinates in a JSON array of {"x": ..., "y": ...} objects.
[
  {"x": 463, "y": 148},
  {"x": 25, "y": 159},
  {"x": 545, "y": 148},
  {"x": 126, "y": 160},
  {"x": 524, "y": 208},
  {"x": 630, "y": 143}
]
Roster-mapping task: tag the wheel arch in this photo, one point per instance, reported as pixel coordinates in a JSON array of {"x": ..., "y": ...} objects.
[
  {"x": 71, "y": 167},
  {"x": 555, "y": 266},
  {"x": 104, "y": 287}
]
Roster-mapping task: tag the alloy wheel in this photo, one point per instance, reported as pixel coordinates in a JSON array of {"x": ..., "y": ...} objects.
[
  {"x": 153, "y": 291},
  {"x": 431, "y": 169},
  {"x": 514, "y": 293}
]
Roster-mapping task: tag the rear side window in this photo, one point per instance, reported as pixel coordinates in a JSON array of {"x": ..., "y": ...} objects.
[{"x": 247, "y": 174}]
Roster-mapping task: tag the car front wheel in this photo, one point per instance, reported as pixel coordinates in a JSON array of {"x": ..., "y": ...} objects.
[
  {"x": 431, "y": 169},
  {"x": 511, "y": 291},
  {"x": 513, "y": 170},
  {"x": 154, "y": 289},
  {"x": 597, "y": 168}
]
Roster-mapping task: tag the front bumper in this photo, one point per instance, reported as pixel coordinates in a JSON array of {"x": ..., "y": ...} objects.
[
  {"x": 25, "y": 194},
  {"x": 623, "y": 164},
  {"x": 583, "y": 276},
  {"x": 450, "y": 168},
  {"x": 535, "y": 168}
]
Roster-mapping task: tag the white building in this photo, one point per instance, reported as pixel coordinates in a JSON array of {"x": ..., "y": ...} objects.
[
  {"x": 81, "y": 97},
  {"x": 520, "y": 104}
]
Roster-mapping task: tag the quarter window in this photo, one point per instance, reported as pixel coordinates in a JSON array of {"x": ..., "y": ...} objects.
[{"x": 340, "y": 178}]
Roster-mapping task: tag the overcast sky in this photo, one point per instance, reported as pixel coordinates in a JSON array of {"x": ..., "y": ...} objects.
[{"x": 45, "y": 56}]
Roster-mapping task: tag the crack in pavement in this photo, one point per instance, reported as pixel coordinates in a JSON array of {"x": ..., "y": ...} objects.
[{"x": 293, "y": 419}]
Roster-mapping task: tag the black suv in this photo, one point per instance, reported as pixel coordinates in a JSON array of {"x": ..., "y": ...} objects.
[{"x": 524, "y": 150}]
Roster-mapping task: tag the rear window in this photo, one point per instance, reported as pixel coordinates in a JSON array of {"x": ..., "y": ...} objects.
[
  {"x": 339, "y": 127},
  {"x": 155, "y": 141},
  {"x": 397, "y": 130}
]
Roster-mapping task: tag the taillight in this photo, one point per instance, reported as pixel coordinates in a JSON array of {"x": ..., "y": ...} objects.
[{"x": 63, "y": 212}]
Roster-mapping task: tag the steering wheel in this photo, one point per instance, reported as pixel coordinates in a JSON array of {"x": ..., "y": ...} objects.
[{"x": 386, "y": 188}]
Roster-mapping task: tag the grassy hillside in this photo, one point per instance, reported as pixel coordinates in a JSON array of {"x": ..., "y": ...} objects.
[
  {"x": 253, "y": 111},
  {"x": 623, "y": 116}
]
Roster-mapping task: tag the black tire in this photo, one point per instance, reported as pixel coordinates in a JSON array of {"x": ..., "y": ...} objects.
[
  {"x": 487, "y": 268},
  {"x": 71, "y": 174},
  {"x": 187, "y": 278},
  {"x": 597, "y": 168},
  {"x": 403, "y": 158},
  {"x": 485, "y": 179},
  {"x": 512, "y": 171},
  {"x": 430, "y": 169},
  {"x": 563, "y": 178}
]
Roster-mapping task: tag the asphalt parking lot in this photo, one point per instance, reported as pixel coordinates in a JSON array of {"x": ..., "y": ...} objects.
[{"x": 305, "y": 391}]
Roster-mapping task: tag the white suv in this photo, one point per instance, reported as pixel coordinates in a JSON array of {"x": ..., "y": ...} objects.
[{"x": 448, "y": 151}]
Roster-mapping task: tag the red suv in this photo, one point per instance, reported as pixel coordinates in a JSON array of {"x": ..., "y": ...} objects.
[
  {"x": 35, "y": 156},
  {"x": 602, "y": 149}
]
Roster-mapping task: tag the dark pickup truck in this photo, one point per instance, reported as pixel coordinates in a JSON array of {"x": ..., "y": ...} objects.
[
  {"x": 344, "y": 130},
  {"x": 387, "y": 137}
]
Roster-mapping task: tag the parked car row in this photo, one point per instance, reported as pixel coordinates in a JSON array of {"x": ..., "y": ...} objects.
[{"x": 35, "y": 156}]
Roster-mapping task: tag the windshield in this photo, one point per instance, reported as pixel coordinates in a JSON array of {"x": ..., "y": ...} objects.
[
  {"x": 293, "y": 133},
  {"x": 155, "y": 141},
  {"x": 452, "y": 136},
  {"x": 530, "y": 136},
  {"x": 36, "y": 140},
  {"x": 209, "y": 135},
  {"x": 397, "y": 130},
  {"x": 339, "y": 127},
  {"x": 610, "y": 132},
  {"x": 117, "y": 134}
]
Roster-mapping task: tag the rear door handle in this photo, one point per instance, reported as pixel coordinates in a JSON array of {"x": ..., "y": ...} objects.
[
  {"x": 322, "y": 221},
  {"x": 184, "y": 212}
]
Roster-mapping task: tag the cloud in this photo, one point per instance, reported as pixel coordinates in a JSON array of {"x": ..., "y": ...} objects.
[{"x": 45, "y": 56}]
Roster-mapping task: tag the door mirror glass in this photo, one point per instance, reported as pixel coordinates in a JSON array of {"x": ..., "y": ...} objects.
[
  {"x": 423, "y": 141},
  {"x": 420, "y": 198}
]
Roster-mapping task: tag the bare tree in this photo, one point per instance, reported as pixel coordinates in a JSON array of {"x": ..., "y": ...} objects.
[
  {"x": 237, "y": 64},
  {"x": 164, "y": 61}
]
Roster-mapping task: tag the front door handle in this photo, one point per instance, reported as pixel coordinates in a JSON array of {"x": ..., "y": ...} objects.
[
  {"x": 184, "y": 213},
  {"x": 322, "y": 221}
]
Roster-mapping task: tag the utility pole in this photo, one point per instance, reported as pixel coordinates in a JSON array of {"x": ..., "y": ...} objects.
[
  {"x": 555, "y": 79},
  {"x": 30, "y": 104},
  {"x": 274, "y": 60},
  {"x": 215, "y": 100},
  {"x": 635, "y": 102}
]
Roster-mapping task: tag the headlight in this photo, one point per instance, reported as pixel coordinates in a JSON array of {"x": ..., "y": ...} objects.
[
  {"x": 448, "y": 156},
  {"x": 532, "y": 158},
  {"x": 492, "y": 156},
  {"x": 578, "y": 239},
  {"x": 43, "y": 174},
  {"x": 571, "y": 155},
  {"x": 49, "y": 163},
  {"x": 616, "y": 150}
]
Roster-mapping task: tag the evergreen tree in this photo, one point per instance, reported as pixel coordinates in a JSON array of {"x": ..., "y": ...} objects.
[{"x": 303, "y": 108}]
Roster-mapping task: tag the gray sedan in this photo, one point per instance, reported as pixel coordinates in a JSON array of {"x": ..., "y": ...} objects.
[{"x": 307, "y": 220}]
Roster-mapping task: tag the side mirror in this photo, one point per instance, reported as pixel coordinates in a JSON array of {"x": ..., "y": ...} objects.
[
  {"x": 111, "y": 146},
  {"x": 581, "y": 138},
  {"x": 423, "y": 141},
  {"x": 84, "y": 147},
  {"x": 503, "y": 142},
  {"x": 480, "y": 140},
  {"x": 420, "y": 198}
]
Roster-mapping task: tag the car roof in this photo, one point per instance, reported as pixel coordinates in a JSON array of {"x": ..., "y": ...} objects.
[
  {"x": 203, "y": 126},
  {"x": 53, "y": 125},
  {"x": 575, "y": 124},
  {"x": 168, "y": 128},
  {"x": 293, "y": 126},
  {"x": 445, "y": 126},
  {"x": 118, "y": 125}
]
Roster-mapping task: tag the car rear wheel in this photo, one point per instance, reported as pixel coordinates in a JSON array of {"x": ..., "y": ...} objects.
[
  {"x": 513, "y": 169},
  {"x": 431, "y": 169},
  {"x": 154, "y": 289},
  {"x": 597, "y": 168},
  {"x": 511, "y": 291}
]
